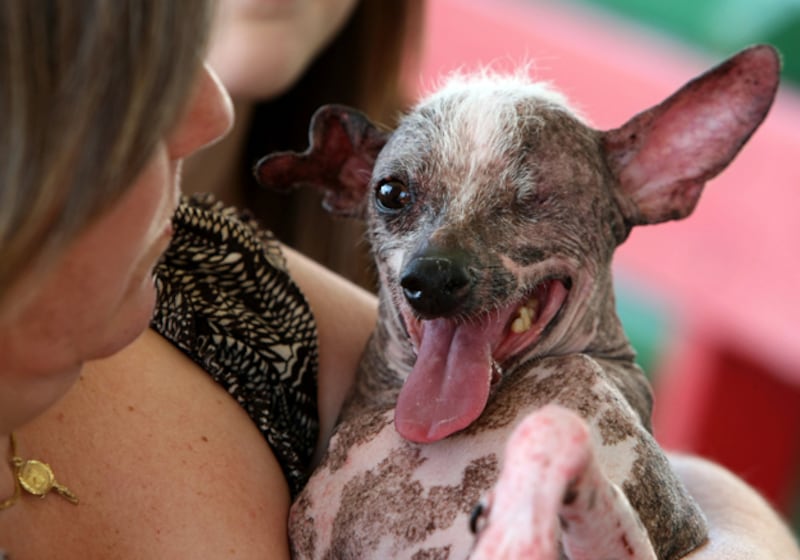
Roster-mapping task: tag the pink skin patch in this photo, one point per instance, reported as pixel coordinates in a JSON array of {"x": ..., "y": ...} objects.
[
  {"x": 449, "y": 385},
  {"x": 552, "y": 489}
]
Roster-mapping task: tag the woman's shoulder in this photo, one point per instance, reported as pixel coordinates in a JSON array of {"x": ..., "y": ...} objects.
[{"x": 164, "y": 462}]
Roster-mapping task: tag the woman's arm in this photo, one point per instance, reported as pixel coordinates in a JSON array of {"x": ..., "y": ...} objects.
[
  {"x": 742, "y": 526},
  {"x": 345, "y": 316}
]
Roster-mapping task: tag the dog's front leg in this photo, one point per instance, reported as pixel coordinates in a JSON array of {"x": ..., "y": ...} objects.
[{"x": 552, "y": 495}]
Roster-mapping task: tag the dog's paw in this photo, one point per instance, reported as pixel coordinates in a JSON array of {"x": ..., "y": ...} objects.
[{"x": 552, "y": 497}]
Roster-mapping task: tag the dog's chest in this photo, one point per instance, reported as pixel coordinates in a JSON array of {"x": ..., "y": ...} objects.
[
  {"x": 379, "y": 496},
  {"x": 394, "y": 499}
]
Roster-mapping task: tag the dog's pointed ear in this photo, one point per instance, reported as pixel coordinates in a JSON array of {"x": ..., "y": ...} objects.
[
  {"x": 663, "y": 156},
  {"x": 343, "y": 146}
]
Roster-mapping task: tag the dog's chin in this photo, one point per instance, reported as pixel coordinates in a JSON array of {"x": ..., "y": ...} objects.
[{"x": 516, "y": 328}]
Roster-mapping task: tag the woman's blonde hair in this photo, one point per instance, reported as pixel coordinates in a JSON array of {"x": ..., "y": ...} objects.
[{"x": 87, "y": 90}]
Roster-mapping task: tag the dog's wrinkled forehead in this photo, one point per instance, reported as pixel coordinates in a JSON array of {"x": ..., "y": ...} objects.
[{"x": 474, "y": 127}]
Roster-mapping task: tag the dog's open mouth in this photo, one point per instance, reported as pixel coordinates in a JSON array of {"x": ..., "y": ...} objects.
[
  {"x": 532, "y": 316},
  {"x": 457, "y": 362}
]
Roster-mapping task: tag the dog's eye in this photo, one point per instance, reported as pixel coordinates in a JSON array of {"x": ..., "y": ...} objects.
[{"x": 392, "y": 196}]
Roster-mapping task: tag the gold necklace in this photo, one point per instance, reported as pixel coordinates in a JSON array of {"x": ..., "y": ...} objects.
[
  {"x": 35, "y": 477},
  {"x": 8, "y": 502}
]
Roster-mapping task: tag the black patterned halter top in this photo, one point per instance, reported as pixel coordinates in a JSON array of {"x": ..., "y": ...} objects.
[{"x": 226, "y": 300}]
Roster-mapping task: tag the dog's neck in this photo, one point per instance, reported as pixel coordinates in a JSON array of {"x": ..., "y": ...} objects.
[{"x": 603, "y": 335}]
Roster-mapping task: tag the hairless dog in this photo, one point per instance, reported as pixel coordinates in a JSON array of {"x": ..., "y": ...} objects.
[{"x": 499, "y": 373}]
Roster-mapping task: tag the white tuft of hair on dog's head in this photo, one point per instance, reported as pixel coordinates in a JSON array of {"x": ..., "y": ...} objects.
[
  {"x": 508, "y": 87},
  {"x": 478, "y": 118}
]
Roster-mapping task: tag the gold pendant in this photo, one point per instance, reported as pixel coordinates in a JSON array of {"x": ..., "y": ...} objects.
[{"x": 37, "y": 478}]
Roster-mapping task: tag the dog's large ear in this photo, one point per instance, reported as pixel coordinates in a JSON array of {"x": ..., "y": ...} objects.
[
  {"x": 343, "y": 146},
  {"x": 663, "y": 156}
]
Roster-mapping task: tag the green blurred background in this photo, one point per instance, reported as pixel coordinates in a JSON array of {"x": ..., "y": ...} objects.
[{"x": 721, "y": 26}]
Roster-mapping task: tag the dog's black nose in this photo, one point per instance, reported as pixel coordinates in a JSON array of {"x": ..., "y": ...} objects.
[{"x": 436, "y": 286}]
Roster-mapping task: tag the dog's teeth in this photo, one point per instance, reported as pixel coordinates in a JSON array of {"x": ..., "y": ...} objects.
[
  {"x": 497, "y": 371},
  {"x": 518, "y": 326},
  {"x": 523, "y": 321},
  {"x": 525, "y": 315}
]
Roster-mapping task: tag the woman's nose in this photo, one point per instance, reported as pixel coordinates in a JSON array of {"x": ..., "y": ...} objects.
[{"x": 208, "y": 117}]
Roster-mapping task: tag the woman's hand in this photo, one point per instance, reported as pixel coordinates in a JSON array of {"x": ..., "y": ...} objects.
[{"x": 742, "y": 526}]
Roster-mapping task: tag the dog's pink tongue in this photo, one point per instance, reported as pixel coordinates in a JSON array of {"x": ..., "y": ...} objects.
[{"x": 449, "y": 385}]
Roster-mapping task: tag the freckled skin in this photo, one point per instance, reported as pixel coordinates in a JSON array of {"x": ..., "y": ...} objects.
[{"x": 501, "y": 170}]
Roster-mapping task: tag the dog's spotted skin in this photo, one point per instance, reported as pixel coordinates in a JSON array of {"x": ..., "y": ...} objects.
[
  {"x": 419, "y": 498},
  {"x": 491, "y": 197}
]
